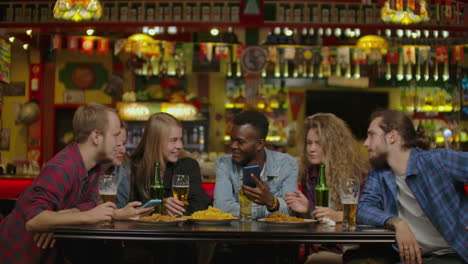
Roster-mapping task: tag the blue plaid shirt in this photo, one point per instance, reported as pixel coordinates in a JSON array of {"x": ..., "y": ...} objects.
[{"x": 436, "y": 179}]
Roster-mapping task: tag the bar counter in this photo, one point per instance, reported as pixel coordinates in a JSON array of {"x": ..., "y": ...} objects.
[{"x": 236, "y": 231}]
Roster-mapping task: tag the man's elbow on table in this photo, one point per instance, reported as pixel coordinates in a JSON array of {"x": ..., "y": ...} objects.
[{"x": 32, "y": 225}]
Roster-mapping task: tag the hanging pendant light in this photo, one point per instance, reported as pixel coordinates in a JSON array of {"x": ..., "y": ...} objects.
[
  {"x": 77, "y": 10},
  {"x": 404, "y": 12}
]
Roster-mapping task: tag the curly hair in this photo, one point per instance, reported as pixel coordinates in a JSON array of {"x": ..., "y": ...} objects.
[{"x": 343, "y": 157}]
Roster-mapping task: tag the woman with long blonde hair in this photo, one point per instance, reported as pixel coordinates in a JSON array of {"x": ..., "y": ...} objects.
[
  {"x": 327, "y": 140},
  {"x": 162, "y": 143}
]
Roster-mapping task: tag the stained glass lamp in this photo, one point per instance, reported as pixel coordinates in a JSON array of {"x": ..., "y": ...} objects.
[
  {"x": 77, "y": 10},
  {"x": 370, "y": 42},
  {"x": 405, "y": 12}
]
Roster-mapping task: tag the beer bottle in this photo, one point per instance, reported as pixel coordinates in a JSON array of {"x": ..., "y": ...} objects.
[
  {"x": 156, "y": 188},
  {"x": 321, "y": 190}
]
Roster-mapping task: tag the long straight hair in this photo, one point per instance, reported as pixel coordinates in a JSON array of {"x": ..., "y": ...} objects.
[{"x": 150, "y": 150}]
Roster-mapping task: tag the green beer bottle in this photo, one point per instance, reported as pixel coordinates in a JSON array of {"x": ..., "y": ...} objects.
[
  {"x": 157, "y": 189},
  {"x": 321, "y": 190}
]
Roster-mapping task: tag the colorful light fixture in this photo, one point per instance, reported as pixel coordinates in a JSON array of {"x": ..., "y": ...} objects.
[
  {"x": 370, "y": 42},
  {"x": 405, "y": 12},
  {"x": 142, "y": 45},
  {"x": 77, "y": 10}
]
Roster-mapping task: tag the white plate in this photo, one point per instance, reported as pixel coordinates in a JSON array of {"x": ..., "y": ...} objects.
[
  {"x": 212, "y": 221},
  {"x": 285, "y": 224}
]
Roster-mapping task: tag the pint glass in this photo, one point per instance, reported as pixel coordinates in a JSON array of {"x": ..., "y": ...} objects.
[
  {"x": 180, "y": 187},
  {"x": 349, "y": 192},
  {"x": 245, "y": 206},
  {"x": 108, "y": 185}
]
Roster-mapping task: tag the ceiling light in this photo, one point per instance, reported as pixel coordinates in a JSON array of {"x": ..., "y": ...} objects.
[
  {"x": 172, "y": 30},
  {"x": 426, "y": 33},
  {"x": 11, "y": 39},
  {"x": 29, "y": 32},
  {"x": 90, "y": 31},
  {"x": 214, "y": 32},
  {"x": 445, "y": 33},
  {"x": 77, "y": 10},
  {"x": 25, "y": 46},
  {"x": 347, "y": 32},
  {"x": 408, "y": 33},
  {"x": 400, "y": 33},
  {"x": 338, "y": 32},
  {"x": 388, "y": 32},
  {"x": 357, "y": 31}
]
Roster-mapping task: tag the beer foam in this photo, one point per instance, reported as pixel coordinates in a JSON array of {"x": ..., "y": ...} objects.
[{"x": 108, "y": 193}]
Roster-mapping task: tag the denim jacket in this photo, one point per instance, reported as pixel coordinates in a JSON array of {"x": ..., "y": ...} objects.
[
  {"x": 123, "y": 191},
  {"x": 280, "y": 172}
]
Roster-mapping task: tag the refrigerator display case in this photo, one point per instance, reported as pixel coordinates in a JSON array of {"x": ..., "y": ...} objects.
[{"x": 195, "y": 122}]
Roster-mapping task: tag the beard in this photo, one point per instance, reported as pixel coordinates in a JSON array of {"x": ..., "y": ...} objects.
[
  {"x": 380, "y": 161},
  {"x": 245, "y": 158}
]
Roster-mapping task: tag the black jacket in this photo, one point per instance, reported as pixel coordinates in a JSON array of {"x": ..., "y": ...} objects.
[{"x": 198, "y": 199}]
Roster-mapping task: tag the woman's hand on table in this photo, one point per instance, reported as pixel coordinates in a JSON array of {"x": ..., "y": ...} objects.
[
  {"x": 132, "y": 209},
  {"x": 297, "y": 202},
  {"x": 173, "y": 207},
  {"x": 320, "y": 212}
]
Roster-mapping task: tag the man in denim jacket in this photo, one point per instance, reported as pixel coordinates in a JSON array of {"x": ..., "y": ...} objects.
[{"x": 278, "y": 170}]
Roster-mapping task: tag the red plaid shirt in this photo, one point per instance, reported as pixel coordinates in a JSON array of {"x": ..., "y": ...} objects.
[{"x": 64, "y": 183}]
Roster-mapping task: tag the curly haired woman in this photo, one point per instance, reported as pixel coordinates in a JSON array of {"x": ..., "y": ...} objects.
[{"x": 327, "y": 140}]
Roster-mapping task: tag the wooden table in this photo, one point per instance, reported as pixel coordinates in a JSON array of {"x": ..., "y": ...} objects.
[
  {"x": 281, "y": 240},
  {"x": 235, "y": 231}
]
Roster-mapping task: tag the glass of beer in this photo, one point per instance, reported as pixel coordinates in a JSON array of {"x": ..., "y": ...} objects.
[
  {"x": 349, "y": 192},
  {"x": 108, "y": 185},
  {"x": 245, "y": 206},
  {"x": 180, "y": 187}
]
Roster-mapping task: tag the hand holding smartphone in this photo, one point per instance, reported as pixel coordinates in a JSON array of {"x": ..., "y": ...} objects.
[
  {"x": 151, "y": 203},
  {"x": 247, "y": 171}
]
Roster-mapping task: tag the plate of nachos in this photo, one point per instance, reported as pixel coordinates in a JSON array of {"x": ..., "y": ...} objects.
[
  {"x": 281, "y": 219},
  {"x": 211, "y": 216},
  {"x": 158, "y": 219}
]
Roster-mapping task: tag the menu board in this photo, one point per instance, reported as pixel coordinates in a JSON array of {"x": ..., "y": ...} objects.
[{"x": 5, "y": 61}]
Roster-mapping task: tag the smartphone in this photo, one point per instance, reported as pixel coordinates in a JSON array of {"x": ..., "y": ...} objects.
[
  {"x": 247, "y": 179},
  {"x": 151, "y": 203}
]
